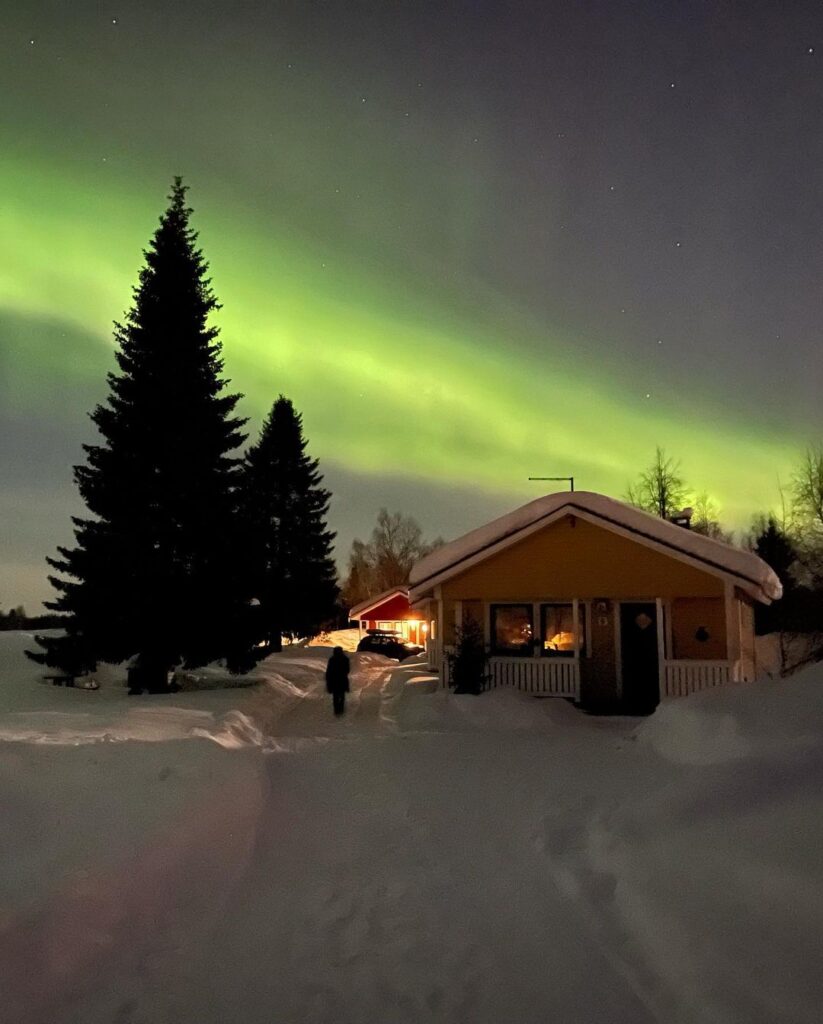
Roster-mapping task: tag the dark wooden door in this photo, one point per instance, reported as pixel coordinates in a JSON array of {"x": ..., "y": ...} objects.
[{"x": 639, "y": 657}]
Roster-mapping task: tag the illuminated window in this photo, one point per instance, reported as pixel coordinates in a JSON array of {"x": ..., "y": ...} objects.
[
  {"x": 557, "y": 629},
  {"x": 512, "y": 628}
]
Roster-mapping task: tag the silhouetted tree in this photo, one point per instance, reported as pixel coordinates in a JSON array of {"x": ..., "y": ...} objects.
[
  {"x": 776, "y": 548},
  {"x": 660, "y": 489},
  {"x": 360, "y": 579},
  {"x": 289, "y": 548},
  {"x": 153, "y": 571},
  {"x": 706, "y": 519},
  {"x": 386, "y": 560},
  {"x": 807, "y": 515},
  {"x": 468, "y": 661},
  {"x": 807, "y": 490}
]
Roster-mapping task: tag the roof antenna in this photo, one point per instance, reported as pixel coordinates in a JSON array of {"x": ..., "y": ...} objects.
[{"x": 569, "y": 478}]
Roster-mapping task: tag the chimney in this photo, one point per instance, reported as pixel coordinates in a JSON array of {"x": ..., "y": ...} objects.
[{"x": 682, "y": 518}]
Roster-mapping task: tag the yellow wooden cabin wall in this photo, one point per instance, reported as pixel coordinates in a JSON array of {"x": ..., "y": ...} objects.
[
  {"x": 688, "y": 615},
  {"x": 574, "y": 558}
]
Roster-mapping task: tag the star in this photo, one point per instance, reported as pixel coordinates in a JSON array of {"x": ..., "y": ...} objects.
[
  {"x": 114, "y": 21},
  {"x": 611, "y": 188},
  {"x": 677, "y": 245},
  {"x": 31, "y": 42},
  {"x": 648, "y": 395},
  {"x": 810, "y": 50}
]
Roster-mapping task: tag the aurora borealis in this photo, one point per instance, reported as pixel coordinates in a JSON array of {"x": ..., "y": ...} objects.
[{"x": 472, "y": 242}]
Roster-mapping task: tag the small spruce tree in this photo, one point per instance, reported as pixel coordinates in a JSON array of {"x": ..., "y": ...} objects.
[
  {"x": 468, "y": 662},
  {"x": 291, "y": 571},
  {"x": 153, "y": 572},
  {"x": 777, "y": 550}
]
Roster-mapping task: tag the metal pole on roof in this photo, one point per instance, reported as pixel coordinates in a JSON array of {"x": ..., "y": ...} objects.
[{"x": 569, "y": 478}]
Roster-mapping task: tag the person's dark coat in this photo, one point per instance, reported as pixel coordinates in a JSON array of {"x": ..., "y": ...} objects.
[{"x": 337, "y": 672}]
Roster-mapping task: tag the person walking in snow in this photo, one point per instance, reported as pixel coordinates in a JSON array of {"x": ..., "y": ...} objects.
[{"x": 337, "y": 679}]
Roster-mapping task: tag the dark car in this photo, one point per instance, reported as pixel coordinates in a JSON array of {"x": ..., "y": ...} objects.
[{"x": 388, "y": 642}]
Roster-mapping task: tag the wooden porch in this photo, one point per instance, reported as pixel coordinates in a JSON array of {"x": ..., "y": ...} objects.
[{"x": 561, "y": 677}]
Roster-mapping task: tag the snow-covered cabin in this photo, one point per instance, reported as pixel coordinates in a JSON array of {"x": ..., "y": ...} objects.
[
  {"x": 391, "y": 610},
  {"x": 586, "y": 597}
]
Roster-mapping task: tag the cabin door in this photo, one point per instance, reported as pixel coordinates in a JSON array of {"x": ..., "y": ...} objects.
[{"x": 639, "y": 657}]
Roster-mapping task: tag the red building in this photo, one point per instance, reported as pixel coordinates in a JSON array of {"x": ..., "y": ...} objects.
[{"x": 391, "y": 610}]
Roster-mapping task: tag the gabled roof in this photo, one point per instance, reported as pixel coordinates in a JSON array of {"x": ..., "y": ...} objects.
[
  {"x": 748, "y": 571},
  {"x": 359, "y": 610}
]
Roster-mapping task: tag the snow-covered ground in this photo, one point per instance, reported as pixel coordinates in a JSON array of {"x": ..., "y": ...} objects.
[{"x": 240, "y": 855}]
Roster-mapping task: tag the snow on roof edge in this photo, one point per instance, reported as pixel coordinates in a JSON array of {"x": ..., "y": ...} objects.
[
  {"x": 373, "y": 602},
  {"x": 745, "y": 565}
]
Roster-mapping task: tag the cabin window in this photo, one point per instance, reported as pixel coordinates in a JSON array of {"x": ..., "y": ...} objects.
[
  {"x": 557, "y": 629},
  {"x": 512, "y": 628}
]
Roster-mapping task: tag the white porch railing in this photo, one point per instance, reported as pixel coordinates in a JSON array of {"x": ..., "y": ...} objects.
[
  {"x": 555, "y": 677},
  {"x": 684, "y": 677}
]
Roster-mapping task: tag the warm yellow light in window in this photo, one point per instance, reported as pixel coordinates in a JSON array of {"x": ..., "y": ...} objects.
[{"x": 560, "y": 642}]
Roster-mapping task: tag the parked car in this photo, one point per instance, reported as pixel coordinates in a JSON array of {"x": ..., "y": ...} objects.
[{"x": 389, "y": 642}]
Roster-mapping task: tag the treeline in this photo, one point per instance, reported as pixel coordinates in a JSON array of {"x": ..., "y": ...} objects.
[
  {"x": 16, "y": 618},
  {"x": 386, "y": 559},
  {"x": 789, "y": 539},
  {"x": 190, "y": 552}
]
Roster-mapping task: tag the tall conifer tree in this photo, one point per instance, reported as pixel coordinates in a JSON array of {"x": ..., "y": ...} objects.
[
  {"x": 153, "y": 572},
  {"x": 289, "y": 547}
]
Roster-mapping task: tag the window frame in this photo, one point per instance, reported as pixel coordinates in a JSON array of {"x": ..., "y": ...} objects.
[
  {"x": 547, "y": 652},
  {"x": 525, "y": 650}
]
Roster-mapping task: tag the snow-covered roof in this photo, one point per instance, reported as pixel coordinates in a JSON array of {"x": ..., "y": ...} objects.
[
  {"x": 359, "y": 610},
  {"x": 751, "y": 573}
]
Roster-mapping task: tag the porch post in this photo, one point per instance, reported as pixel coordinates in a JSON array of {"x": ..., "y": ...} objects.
[
  {"x": 661, "y": 649},
  {"x": 732, "y": 633},
  {"x": 439, "y": 649}
]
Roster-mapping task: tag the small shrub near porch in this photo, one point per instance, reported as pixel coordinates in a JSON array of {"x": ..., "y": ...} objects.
[{"x": 469, "y": 661}]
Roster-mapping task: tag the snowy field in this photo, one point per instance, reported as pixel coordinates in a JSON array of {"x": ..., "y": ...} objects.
[{"x": 240, "y": 857}]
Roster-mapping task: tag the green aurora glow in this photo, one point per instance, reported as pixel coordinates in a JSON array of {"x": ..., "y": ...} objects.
[
  {"x": 433, "y": 264},
  {"x": 389, "y": 382}
]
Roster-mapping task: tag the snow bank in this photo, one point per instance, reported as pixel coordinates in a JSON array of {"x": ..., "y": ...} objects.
[
  {"x": 348, "y": 639},
  {"x": 762, "y": 719}
]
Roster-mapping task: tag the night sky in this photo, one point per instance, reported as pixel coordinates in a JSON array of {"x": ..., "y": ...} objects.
[{"x": 472, "y": 242}]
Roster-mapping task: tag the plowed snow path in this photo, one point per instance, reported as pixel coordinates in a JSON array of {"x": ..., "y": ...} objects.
[
  {"x": 381, "y": 889},
  {"x": 400, "y": 874}
]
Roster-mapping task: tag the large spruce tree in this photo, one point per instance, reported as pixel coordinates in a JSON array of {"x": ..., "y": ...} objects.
[
  {"x": 289, "y": 548},
  {"x": 153, "y": 572}
]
